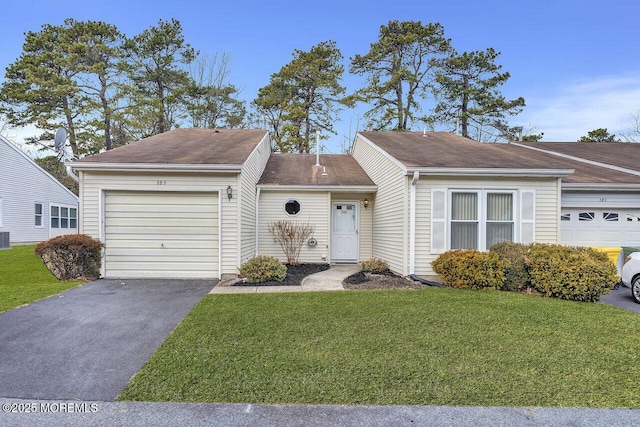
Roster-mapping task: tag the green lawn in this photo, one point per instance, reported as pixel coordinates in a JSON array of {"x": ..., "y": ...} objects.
[
  {"x": 24, "y": 278},
  {"x": 428, "y": 347}
]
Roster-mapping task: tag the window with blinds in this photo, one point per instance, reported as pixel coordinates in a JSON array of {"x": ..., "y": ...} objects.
[
  {"x": 480, "y": 219},
  {"x": 500, "y": 224},
  {"x": 464, "y": 220}
]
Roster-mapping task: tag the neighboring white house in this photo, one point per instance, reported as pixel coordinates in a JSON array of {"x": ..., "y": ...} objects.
[
  {"x": 34, "y": 206},
  {"x": 197, "y": 202},
  {"x": 601, "y": 200}
]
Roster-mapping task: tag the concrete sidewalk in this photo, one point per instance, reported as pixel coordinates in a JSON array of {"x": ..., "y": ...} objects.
[{"x": 328, "y": 280}]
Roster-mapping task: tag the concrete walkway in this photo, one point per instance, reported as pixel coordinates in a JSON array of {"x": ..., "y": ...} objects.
[{"x": 328, "y": 280}]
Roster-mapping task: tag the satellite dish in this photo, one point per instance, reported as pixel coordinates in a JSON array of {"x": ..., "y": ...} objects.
[{"x": 60, "y": 139}]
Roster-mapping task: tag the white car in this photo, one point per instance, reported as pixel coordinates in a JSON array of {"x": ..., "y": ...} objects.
[{"x": 631, "y": 274}]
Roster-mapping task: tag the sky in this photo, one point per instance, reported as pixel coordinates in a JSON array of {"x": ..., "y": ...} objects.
[{"x": 576, "y": 63}]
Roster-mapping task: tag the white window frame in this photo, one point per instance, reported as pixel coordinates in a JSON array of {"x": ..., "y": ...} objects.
[
  {"x": 450, "y": 221},
  {"x": 60, "y": 218},
  {"x": 290, "y": 200},
  {"x": 35, "y": 215},
  {"x": 514, "y": 213},
  {"x": 482, "y": 213}
]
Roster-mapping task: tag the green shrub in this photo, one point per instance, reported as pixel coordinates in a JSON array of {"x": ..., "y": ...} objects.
[
  {"x": 72, "y": 256},
  {"x": 578, "y": 274},
  {"x": 517, "y": 274},
  {"x": 471, "y": 269},
  {"x": 374, "y": 265},
  {"x": 262, "y": 269}
]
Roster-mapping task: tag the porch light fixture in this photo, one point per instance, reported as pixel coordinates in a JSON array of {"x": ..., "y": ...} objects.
[
  {"x": 229, "y": 193},
  {"x": 366, "y": 203}
]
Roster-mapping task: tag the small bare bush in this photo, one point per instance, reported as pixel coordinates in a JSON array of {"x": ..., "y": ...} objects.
[{"x": 291, "y": 235}]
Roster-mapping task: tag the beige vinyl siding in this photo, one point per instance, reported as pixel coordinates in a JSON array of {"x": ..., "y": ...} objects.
[
  {"x": 314, "y": 209},
  {"x": 365, "y": 221},
  {"x": 251, "y": 172},
  {"x": 389, "y": 213},
  {"x": 161, "y": 235},
  {"x": 546, "y": 209},
  {"x": 95, "y": 184}
]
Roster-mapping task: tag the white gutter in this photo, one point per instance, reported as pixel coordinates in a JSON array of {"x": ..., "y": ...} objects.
[
  {"x": 154, "y": 167},
  {"x": 580, "y": 159},
  {"x": 600, "y": 187},
  {"x": 543, "y": 173},
  {"x": 332, "y": 188},
  {"x": 412, "y": 224}
]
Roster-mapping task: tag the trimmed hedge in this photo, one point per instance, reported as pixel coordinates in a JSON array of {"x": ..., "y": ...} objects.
[
  {"x": 72, "y": 256},
  {"x": 517, "y": 273},
  {"x": 471, "y": 269},
  {"x": 374, "y": 265},
  {"x": 571, "y": 273},
  {"x": 262, "y": 269}
]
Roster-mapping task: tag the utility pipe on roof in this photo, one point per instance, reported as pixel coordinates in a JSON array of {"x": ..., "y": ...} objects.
[
  {"x": 412, "y": 224},
  {"x": 317, "y": 147}
]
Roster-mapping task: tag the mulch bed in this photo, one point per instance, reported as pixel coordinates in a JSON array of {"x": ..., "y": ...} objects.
[
  {"x": 295, "y": 274},
  {"x": 360, "y": 280},
  {"x": 386, "y": 280}
]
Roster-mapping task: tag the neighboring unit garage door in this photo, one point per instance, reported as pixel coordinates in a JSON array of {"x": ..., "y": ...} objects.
[
  {"x": 161, "y": 235},
  {"x": 600, "y": 227}
]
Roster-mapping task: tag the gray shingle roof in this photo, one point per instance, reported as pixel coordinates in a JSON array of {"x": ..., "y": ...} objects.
[
  {"x": 445, "y": 150},
  {"x": 186, "y": 146},
  {"x": 300, "y": 169}
]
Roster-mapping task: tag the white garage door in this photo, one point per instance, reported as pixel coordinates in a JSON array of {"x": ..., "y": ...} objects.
[
  {"x": 161, "y": 235},
  {"x": 600, "y": 227}
]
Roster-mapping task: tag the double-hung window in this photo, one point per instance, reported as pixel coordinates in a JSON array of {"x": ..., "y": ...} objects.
[
  {"x": 500, "y": 225},
  {"x": 480, "y": 219},
  {"x": 38, "y": 215},
  {"x": 465, "y": 220}
]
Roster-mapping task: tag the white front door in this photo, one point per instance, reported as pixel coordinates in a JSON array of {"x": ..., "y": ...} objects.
[{"x": 344, "y": 232}]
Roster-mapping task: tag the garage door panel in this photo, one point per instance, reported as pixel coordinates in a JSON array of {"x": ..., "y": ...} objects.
[
  {"x": 158, "y": 223},
  {"x": 164, "y": 235},
  {"x": 160, "y": 254},
  {"x": 200, "y": 243},
  {"x": 600, "y": 227}
]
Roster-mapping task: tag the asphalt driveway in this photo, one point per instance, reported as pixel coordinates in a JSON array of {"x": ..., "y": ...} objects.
[
  {"x": 86, "y": 343},
  {"x": 621, "y": 298}
]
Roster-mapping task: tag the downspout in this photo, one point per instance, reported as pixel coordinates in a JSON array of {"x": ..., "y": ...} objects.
[
  {"x": 72, "y": 175},
  {"x": 257, "y": 218},
  {"x": 412, "y": 224}
]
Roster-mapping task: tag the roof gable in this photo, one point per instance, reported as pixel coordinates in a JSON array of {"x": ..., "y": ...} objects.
[
  {"x": 186, "y": 147},
  {"x": 36, "y": 168}
]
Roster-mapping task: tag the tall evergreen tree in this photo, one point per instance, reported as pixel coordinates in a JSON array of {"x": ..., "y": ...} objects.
[
  {"x": 155, "y": 64},
  {"x": 303, "y": 97},
  {"x": 64, "y": 78},
  {"x": 399, "y": 70},
  {"x": 469, "y": 95}
]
